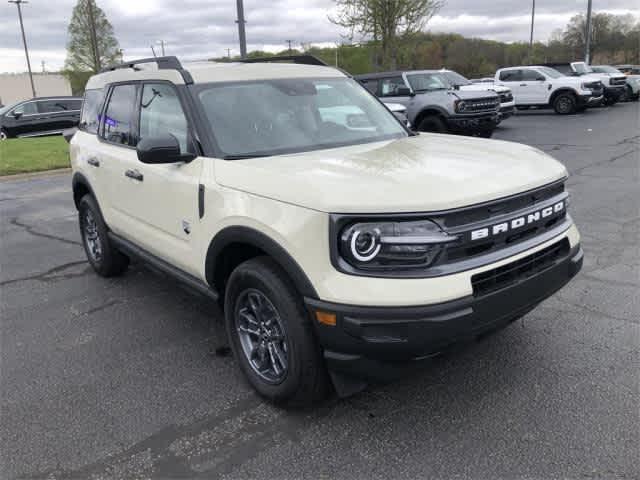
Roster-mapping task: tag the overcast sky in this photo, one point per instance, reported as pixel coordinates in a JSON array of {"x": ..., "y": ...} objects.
[{"x": 206, "y": 28}]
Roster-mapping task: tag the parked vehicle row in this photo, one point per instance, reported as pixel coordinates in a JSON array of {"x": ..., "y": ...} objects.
[
  {"x": 343, "y": 248},
  {"x": 39, "y": 116}
]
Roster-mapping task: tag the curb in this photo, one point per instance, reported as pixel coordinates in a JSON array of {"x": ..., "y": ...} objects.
[{"x": 26, "y": 176}]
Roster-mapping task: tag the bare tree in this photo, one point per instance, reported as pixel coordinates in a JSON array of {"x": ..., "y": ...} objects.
[{"x": 384, "y": 22}]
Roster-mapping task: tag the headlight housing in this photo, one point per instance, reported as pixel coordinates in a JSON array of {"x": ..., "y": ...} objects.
[
  {"x": 392, "y": 245},
  {"x": 461, "y": 106}
]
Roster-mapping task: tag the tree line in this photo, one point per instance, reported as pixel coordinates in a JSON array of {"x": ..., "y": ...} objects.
[{"x": 390, "y": 34}]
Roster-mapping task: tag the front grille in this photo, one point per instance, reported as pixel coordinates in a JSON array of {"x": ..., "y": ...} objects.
[
  {"x": 481, "y": 104},
  {"x": 617, "y": 81},
  {"x": 514, "y": 272}
]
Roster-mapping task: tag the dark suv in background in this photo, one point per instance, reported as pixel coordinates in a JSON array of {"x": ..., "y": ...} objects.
[{"x": 39, "y": 116}]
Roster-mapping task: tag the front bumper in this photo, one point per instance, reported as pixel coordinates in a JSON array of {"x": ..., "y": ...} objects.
[
  {"x": 590, "y": 100},
  {"x": 472, "y": 122},
  {"x": 383, "y": 343},
  {"x": 614, "y": 93}
]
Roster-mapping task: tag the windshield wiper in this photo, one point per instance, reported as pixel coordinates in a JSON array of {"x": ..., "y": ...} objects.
[{"x": 243, "y": 156}]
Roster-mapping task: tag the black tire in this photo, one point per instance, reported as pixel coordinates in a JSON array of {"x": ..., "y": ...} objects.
[
  {"x": 486, "y": 132},
  {"x": 105, "y": 259},
  {"x": 3, "y": 134},
  {"x": 305, "y": 380},
  {"x": 627, "y": 95},
  {"x": 564, "y": 104},
  {"x": 432, "y": 124}
]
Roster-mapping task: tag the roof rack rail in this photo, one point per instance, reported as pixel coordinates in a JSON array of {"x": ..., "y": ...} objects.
[
  {"x": 163, "y": 63},
  {"x": 299, "y": 59}
]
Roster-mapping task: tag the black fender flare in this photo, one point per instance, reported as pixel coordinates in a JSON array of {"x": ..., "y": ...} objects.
[
  {"x": 254, "y": 238},
  {"x": 428, "y": 110},
  {"x": 560, "y": 91}
]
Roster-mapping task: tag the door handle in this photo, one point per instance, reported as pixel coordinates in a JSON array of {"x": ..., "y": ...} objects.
[
  {"x": 135, "y": 174},
  {"x": 94, "y": 162},
  {"x": 523, "y": 84}
]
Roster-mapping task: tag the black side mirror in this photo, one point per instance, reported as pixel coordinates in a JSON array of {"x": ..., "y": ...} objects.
[
  {"x": 162, "y": 149},
  {"x": 17, "y": 115},
  {"x": 403, "y": 91}
]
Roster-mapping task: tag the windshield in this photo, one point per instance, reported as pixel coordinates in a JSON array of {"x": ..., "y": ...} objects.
[
  {"x": 425, "y": 82},
  {"x": 581, "y": 68},
  {"x": 456, "y": 79},
  {"x": 271, "y": 117},
  {"x": 550, "y": 72},
  {"x": 606, "y": 69}
]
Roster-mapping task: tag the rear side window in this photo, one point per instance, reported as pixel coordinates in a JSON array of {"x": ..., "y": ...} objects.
[
  {"x": 161, "y": 113},
  {"x": 90, "y": 118},
  {"x": 511, "y": 76},
  {"x": 119, "y": 115},
  {"x": 389, "y": 86},
  {"x": 56, "y": 105}
]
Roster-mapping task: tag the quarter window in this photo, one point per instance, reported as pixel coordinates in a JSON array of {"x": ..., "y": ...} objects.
[
  {"x": 162, "y": 113},
  {"x": 119, "y": 114},
  {"x": 90, "y": 117}
]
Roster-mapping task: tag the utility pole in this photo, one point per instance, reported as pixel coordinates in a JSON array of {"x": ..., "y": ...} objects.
[
  {"x": 161, "y": 42},
  {"x": 229, "y": 53},
  {"x": 24, "y": 41},
  {"x": 241, "y": 21},
  {"x": 44, "y": 70},
  {"x": 533, "y": 17},
  {"x": 289, "y": 42},
  {"x": 94, "y": 37},
  {"x": 587, "y": 53}
]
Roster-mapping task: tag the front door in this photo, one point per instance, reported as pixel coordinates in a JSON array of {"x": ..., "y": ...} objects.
[{"x": 157, "y": 205}]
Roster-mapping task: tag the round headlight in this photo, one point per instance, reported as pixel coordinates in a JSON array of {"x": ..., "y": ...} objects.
[
  {"x": 365, "y": 245},
  {"x": 462, "y": 106}
]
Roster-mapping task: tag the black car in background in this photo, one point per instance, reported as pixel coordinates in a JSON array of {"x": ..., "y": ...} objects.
[{"x": 39, "y": 116}]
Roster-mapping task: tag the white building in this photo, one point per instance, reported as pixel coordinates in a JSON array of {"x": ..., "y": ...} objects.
[{"x": 15, "y": 87}]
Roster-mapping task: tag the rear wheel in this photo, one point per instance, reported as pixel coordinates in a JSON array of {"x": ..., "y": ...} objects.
[
  {"x": 105, "y": 259},
  {"x": 271, "y": 335},
  {"x": 3, "y": 134},
  {"x": 564, "y": 104},
  {"x": 433, "y": 124}
]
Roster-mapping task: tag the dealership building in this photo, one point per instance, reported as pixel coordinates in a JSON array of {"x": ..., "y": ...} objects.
[{"x": 15, "y": 87}]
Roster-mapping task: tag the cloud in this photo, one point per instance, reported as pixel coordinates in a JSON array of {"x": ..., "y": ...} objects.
[{"x": 204, "y": 28}]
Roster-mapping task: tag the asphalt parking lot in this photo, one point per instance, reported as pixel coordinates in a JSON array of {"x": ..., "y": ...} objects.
[{"x": 128, "y": 377}]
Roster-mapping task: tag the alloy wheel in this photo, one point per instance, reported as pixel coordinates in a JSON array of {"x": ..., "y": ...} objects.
[
  {"x": 92, "y": 237},
  {"x": 564, "y": 104},
  {"x": 262, "y": 336}
]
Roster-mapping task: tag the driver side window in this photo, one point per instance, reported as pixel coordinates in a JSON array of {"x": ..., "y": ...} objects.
[
  {"x": 162, "y": 113},
  {"x": 389, "y": 86},
  {"x": 28, "y": 108}
]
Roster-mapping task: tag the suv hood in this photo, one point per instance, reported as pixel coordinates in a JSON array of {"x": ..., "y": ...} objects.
[
  {"x": 478, "y": 87},
  {"x": 428, "y": 172}
]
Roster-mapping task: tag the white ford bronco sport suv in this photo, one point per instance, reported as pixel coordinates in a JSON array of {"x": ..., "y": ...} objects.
[
  {"x": 343, "y": 249},
  {"x": 540, "y": 86}
]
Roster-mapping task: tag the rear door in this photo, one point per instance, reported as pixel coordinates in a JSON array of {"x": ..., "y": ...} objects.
[
  {"x": 513, "y": 80},
  {"x": 535, "y": 86},
  {"x": 55, "y": 114}
]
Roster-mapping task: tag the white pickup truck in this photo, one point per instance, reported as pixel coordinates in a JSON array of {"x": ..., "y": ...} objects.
[{"x": 540, "y": 86}]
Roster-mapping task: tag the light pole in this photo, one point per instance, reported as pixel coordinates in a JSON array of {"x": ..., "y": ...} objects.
[
  {"x": 241, "y": 21},
  {"x": 587, "y": 53},
  {"x": 533, "y": 17},
  {"x": 24, "y": 41}
]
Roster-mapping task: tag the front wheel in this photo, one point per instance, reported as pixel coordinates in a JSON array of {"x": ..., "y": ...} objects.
[
  {"x": 271, "y": 335},
  {"x": 3, "y": 134},
  {"x": 565, "y": 104},
  {"x": 432, "y": 124},
  {"x": 105, "y": 259}
]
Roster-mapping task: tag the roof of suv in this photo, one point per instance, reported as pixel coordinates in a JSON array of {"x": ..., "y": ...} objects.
[
  {"x": 207, "y": 72},
  {"x": 372, "y": 76}
]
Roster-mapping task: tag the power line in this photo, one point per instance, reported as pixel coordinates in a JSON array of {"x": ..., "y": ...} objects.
[
  {"x": 241, "y": 33},
  {"x": 24, "y": 41}
]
